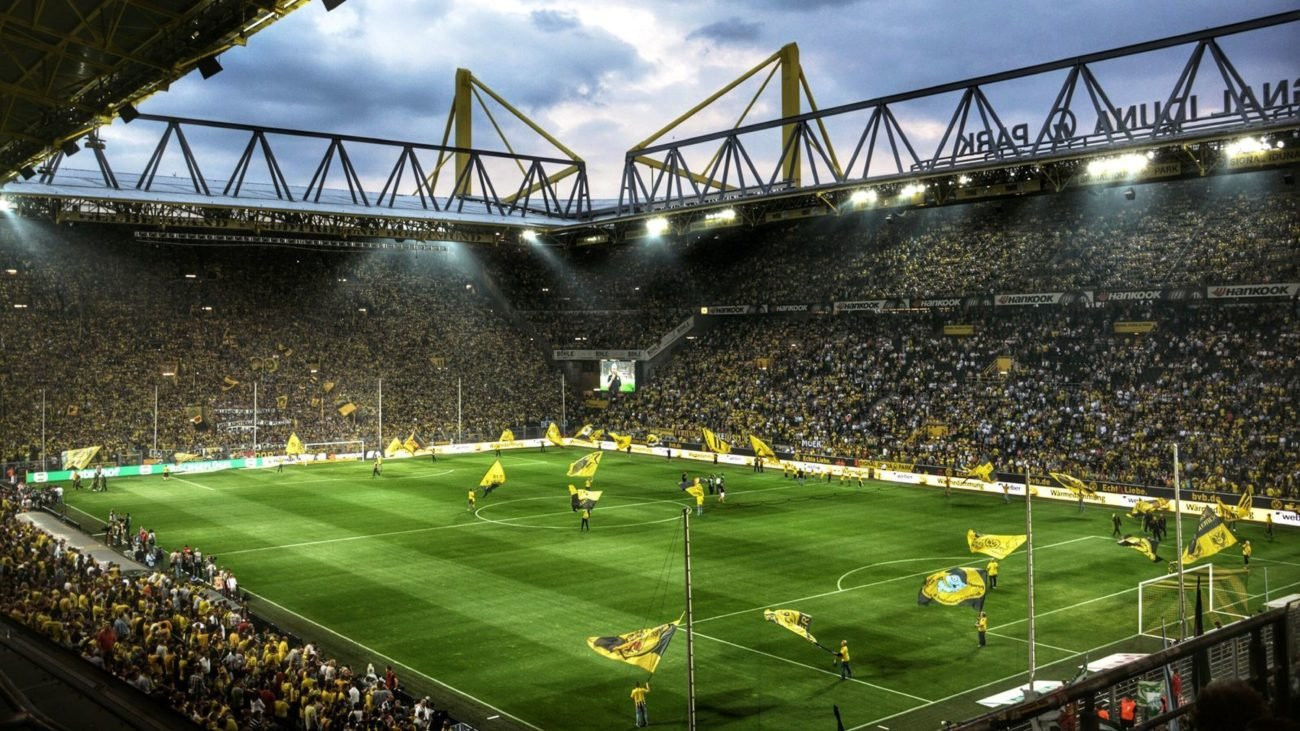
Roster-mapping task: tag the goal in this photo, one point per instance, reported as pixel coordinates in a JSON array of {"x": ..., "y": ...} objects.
[
  {"x": 1223, "y": 597},
  {"x": 353, "y": 448}
]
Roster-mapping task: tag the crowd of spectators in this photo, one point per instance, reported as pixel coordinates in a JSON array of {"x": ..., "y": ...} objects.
[
  {"x": 1220, "y": 381},
  {"x": 171, "y": 637},
  {"x": 106, "y": 318}
]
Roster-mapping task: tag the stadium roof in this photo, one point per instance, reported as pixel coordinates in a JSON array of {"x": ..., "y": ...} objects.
[{"x": 68, "y": 66}]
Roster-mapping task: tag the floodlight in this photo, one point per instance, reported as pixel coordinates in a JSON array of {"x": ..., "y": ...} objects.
[
  {"x": 529, "y": 235},
  {"x": 657, "y": 225},
  {"x": 331, "y": 4},
  {"x": 6, "y": 205},
  {"x": 69, "y": 147},
  {"x": 27, "y": 172},
  {"x": 128, "y": 112}
]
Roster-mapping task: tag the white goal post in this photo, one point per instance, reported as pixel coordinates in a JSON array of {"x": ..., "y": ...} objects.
[
  {"x": 1223, "y": 596},
  {"x": 348, "y": 446}
]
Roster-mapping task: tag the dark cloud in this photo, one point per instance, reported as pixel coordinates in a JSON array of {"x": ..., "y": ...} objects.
[
  {"x": 730, "y": 30},
  {"x": 554, "y": 21}
]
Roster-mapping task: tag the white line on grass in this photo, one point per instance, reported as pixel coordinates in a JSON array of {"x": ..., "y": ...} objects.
[
  {"x": 999, "y": 681},
  {"x": 191, "y": 482},
  {"x": 343, "y": 479},
  {"x": 810, "y": 667},
  {"x": 1036, "y": 643},
  {"x": 1273, "y": 560},
  {"x": 867, "y": 585},
  {"x": 395, "y": 661}
]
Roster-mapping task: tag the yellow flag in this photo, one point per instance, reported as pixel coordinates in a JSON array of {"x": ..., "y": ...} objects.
[
  {"x": 294, "y": 446},
  {"x": 586, "y": 465},
  {"x": 643, "y": 648},
  {"x": 715, "y": 444},
  {"x": 281, "y": 402},
  {"x": 982, "y": 472},
  {"x": 506, "y": 437},
  {"x": 1143, "y": 546},
  {"x": 695, "y": 490},
  {"x": 181, "y": 457},
  {"x": 761, "y": 448},
  {"x": 76, "y": 459},
  {"x": 1143, "y": 507},
  {"x": 954, "y": 588},
  {"x": 621, "y": 442},
  {"x": 998, "y": 547},
  {"x": 584, "y": 432},
  {"x": 795, "y": 621},
  {"x": 597, "y": 435},
  {"x": 413, "y": 443},
  {"x": 586, "y": 499},
  {"x": 393, "y": 447},
  {"x": 1212, "y": 536},
  {"x": 228, "y": 383},
  {"x": 553, "y": 435},
  {"x": 1074, "y": 484},
  {"x": 327, "y": 386},
  {"x": 347, "y": 408},
  {"x": 495, "y": 475}
]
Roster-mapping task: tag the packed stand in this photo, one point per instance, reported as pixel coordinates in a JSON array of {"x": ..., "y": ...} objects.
[
  {"x": 107, "y": 317},
  {"x": 1220, "y": 381},
  {"x": 173, "y": 639}
]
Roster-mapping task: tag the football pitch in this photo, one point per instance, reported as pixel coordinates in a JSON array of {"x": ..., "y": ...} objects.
[{"x": 496, "y": 603}]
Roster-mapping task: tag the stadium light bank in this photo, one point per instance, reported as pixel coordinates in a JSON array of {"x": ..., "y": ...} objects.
[
  {"x": 656, "y": 226},
  {"x": 1130, "y": 164}
]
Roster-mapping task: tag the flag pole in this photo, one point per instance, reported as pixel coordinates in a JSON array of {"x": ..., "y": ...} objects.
[
  {"x": 254, "y": 418},
  {"x": 458, "y": 426},
  {"x": 155, "y": 418},
  {"x": 690, "y": 634},
  {"x": 1029, "y": 573},
  {"x": 381, "y": 414},
  {"x": 564, "y": 418},
  {"x": 1178, "y": 548}
]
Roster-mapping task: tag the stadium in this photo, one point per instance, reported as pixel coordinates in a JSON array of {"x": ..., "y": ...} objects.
[{"x": 825, "y": 420}]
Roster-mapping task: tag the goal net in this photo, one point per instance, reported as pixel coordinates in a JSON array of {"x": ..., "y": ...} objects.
[
  {"x": 351, "y": 448},
  {"x": 1224, "y": 597}
]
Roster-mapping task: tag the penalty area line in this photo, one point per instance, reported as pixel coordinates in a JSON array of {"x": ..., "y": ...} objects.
[
  {"x": 999, "y": 681},
  {"x": 810, "y": 667},
  {"x": 394, "y": 660}
]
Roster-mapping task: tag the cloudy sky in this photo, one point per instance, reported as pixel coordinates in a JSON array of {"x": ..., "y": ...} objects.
[{"x": 602, "y": 75}]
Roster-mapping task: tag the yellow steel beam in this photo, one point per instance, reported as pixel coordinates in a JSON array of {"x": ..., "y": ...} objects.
[
  {"x": 693, "y": 176},
  {"x": 500, "y": 133},
  {"x": 524, "y": 118},
  {"x": 821, "y": 124},
  {"x": 790, "y": 107},
  {"x": 559, "y": 175},
  {"x": 462, "y": 112},
  {"x": 712, "y": 98}
]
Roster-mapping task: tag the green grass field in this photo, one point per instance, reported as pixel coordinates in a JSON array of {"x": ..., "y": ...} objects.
[{"x": 497, "y": 603}]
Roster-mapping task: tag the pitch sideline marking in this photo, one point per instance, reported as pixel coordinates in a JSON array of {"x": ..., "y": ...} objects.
[
  {"x": 1013, "y": 677},
  {"x": 426, "y": 676},
  {"x": 1036, "y": 642},
  {"x": 810, "y": 667},
  {"x": 191, "y": 482},
  {"x": 999, "y": 681}
]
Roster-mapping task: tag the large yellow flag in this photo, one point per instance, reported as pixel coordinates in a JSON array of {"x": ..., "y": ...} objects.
[
  {"x": 394, "y": 447},
  {"x": 795, "y": 621},
  {"x": 580, "y": 498},
  {"x": 506, "y": 437},
  {"x": 1212, "y": 536},
  {"x": 695, "y": 490},
  {"x": 294, "y": 446},
  {"x": 1143, "y": 546},
  {"x": 643, "y": 648},
  {"x": 761, "y": 448},
  {"x": 998, "y": 547},
  {"x": 553, "y": 435},
  {"x": 413, "y": 443},
  {"x": 982, "y": 472},
  {"x": 954, "y": 588},
  {"x": 715, "y": 444},
  {"x": 597, "y": 435},
  {"x": 1142, "y": 507},
  {"x": 347, "y": 408},
  {"x": 1242, "y": 510},
  {"x": 496, "y": 475},
  {"x": 77, "y": 459},
  {"x": 584, "y": 432},
  {"x": 1074, "y": 484},
  {"x": 182, "y": 457},
  {"x": 621, "y": 442},
  {"x": 228, "y": 383},
  {"x": 586, "y": 465}
]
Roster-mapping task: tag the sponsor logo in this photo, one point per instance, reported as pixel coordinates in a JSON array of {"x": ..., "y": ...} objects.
[
  {"x": 940, "y": 302},
  {"x": 1137, "y": 294},
  {"x": 1255, "y": 290},
  {"x": 1045, "y": 298},
  {"x": 860, "y": 306},
  {"x": 728, "y": 310},
  {"x": 788, "y": 308}
]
